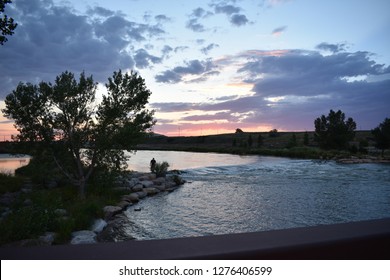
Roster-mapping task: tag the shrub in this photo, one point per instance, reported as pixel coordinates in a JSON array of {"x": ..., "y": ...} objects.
[{"x": 161, "y": 169}]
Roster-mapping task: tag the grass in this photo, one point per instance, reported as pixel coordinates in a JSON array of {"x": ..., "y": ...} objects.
[{"x": 33, "y": 214}]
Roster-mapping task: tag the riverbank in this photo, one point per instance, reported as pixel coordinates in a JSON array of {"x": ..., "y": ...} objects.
[
  {"x": 34, "y": 214},
  {"x": 281, "y": 144}
]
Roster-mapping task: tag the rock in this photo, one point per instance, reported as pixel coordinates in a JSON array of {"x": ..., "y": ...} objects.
[
  {"x": 160, "y": 187},
  {"x": 143, "y": 178},
  {"x": 159, "y": 181},
  {"x": 141, "y": 195},
  {"x": 124, "y": 204},
  {"x": 83, "y": 237},
  {"x": 98, "y": 225},
  {"x": 137, "y": 188},
  {"x": 134, "y": 197},
  {"x": 47, "y": 238},
  {"x": 147, "y": 183},
  {"x": 110, "y": 211},
  {"x": 151, "y": 191},
  {"x": 133, "y": 182},
  {"x": 115, "y": 230}
]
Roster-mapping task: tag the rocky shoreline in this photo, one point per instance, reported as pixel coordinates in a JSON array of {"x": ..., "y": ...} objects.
[
  {"x": 110, "y": 228},
  {"x": 139, "y": 186}
]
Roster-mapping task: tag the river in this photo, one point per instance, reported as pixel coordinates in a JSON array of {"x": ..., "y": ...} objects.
[{"x": 233, "y": 194}]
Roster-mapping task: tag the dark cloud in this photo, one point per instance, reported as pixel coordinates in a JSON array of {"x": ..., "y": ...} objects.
[
  {"x": 201, "y": 69},
  {"x": 227, "y": 9},
  {"x": 163, "y": 18},
  {"x": 100, "y": 11},
  {"x": 52, "y": 38},
  {"x": 207, "y": 49},
  {"x": 293, "y": 87},
  {"x": 195, "y": 26},
  {"x": 334, "y": 48},
  {"x": 196, "y": 15},
  {"x": 238, "y": 19},
  {"x": 143, "y": 59}
]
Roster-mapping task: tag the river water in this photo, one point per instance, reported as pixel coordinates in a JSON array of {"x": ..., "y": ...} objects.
[{"x": 234, "y": 194}]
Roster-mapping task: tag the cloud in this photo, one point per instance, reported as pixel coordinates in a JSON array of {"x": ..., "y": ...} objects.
[
  {"x": 200, "y": 69},
  {"x": 334, "y": 48},
  {"x": 143, "y": 59},
  {"x": 227, "y": 9},
  {"x": 197, "y": 14},
  {"x": 52, "y": 38},
  {"x": 238, "y": 19},
  {"x": 293, "y": 87},
  {"x": 278, "y": 31},
  {"x": 207, "y": 49}
]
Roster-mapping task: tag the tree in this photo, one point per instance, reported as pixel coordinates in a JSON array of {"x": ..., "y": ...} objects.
[
  {"x": 333, "y": 132},
  {"x": 382, "y": 135},
  {"x": 7, "y": 25},
  {"x": 239, "y": 130},
  {"x": 80, "y": 133},
  {"x": 273, "y": 133}
]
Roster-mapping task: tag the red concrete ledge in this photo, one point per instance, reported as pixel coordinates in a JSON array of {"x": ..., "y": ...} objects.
[{"x": 355, "y": 240}]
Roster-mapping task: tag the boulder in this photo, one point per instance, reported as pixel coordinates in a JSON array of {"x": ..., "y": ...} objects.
[
  {"x": 151, "y": 191},
  {"x": 98, "y": 225},
  {"x": 141, "y": 195},
  {"x": 47, "y": 238},
  {"x": 110, "y": 211},
  {"x": 159, "y": 181},
  {"x": 147, "y": 183},
  {"x": 133, "y": 197},
  {"x": 160, "y": 187},
  {"x": 132, "y": 182},
  {"x": 137, "y": 188},
  {"x": 83, "y": 237},
  {"x": 124, "y": 204}
]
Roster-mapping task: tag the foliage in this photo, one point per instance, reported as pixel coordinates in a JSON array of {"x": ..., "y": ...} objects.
[
  {"x": 333, "y": 132},
  {"x": 161, "y": 169},
  {"x": 293, "y": 141},
  {"x": 9, "y": 183},
  {"x": 80, "y": 133},
  {"x": 273, "y": 133},
  {"x": 382, "y": 135},
  {"x": 239, "y": 130},
  {"x": 7, "y": 25}
]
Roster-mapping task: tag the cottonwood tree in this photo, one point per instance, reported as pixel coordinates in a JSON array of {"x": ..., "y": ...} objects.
[
  {"x": 382, "y": 135},
  {"x": 7, "y": 25},
  {"x": 333, "y": 131},
  {"x": 80, "y": 132}
]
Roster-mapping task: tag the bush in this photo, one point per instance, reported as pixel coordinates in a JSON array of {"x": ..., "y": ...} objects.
[{"x": 161, "y": 169}]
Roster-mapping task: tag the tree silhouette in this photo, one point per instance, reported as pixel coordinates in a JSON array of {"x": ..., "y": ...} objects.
[
  {"x": 7, "y": 25},
  {"x": 382, "y": 135},
  {"x": 80, "y": 133},
  {"x": 333, "y": 132}
]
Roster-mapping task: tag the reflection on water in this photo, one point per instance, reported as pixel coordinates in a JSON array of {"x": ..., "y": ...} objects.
[
  {"x": 9, "y": 163},
  {"x": 232, "y": 194}
]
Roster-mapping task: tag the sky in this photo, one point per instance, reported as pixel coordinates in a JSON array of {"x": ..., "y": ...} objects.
[{"x": 214, "y": 65}]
